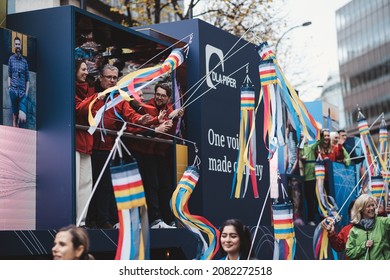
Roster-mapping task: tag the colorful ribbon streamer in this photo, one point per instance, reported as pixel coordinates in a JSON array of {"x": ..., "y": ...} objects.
[
  {"x": 247, "y": 145},
  {"x": 376, "y": 163},
  {"x": 133, "y": 240},
  {"x": 285, "y": 241},
  {"x": 326, "y": 203},
  {"x": 278, "y": 95},
  {"x": 134, "y": 82},
  {"x": 196, "y": 224}
]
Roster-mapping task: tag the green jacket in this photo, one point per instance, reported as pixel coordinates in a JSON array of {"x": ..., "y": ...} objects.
[
  {"x": 309, "y": 154},
  {"x": 356, "y": 245}
]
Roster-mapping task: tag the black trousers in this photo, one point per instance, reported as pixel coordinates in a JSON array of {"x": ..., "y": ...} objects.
[
  {"x": 103, "y": 205},
  {"x": 156, "y": 174}
]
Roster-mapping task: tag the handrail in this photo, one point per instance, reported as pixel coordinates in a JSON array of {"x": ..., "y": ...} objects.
[{"x": 128, "y": 135}]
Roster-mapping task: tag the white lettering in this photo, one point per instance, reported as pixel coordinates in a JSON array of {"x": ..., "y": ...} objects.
[
  {"x": 215, "y": 139},
  {"x": 220, "y": 165}
]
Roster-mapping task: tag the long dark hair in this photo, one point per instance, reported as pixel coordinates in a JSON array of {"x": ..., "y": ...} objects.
[
  {"x": 244, "y": 235},
  {"x": 90, "y": 79},
  {"x": 79, "y": 237},
  {"x": 78, "y": 63}
]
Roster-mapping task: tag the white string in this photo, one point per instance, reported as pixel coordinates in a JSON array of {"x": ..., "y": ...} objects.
[
  {"x": 358, "y": 142},
  {"x": 350, "y": 194},
  {"x": 212, "y": 88},
  {"x": 224, "y": 59},
  {"x": 258, "y": 222},
  {"x": 202, "y": 80},
  {"x": 99, "y": 178},
  {"x": 180, "y": 41}
]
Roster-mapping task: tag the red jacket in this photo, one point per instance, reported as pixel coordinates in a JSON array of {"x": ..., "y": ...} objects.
[
  {"x": 151, "y": 147},
  {"x": 83, "y": 97},
  {"x": 338, "y": 241},
  {"x": 112, "y": 122}
]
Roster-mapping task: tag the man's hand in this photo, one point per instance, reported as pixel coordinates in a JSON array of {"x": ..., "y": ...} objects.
[
  {"x": 145, "y": 119},
  {"x": 161, "y": 116},
  {"x": 164, "y": 127},
  {"x": 176, "y": 113}
]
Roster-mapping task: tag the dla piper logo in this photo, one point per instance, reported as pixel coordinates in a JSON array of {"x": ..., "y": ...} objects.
[{"x": 214, "y": 78}]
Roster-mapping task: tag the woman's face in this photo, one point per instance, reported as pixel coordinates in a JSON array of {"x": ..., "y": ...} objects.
[
  {"x": 81, "y": 75},
  {"x": 63, "y": 247},
  {"x": 369, "y": 210},
  {"x": 230, "y": 240}
]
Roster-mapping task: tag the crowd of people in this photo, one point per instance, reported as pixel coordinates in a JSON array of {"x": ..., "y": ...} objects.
[
  {"x": 330, "y": 147},
  {"x": 154, "y": 119},
  {"x": 364, "y": 238}
]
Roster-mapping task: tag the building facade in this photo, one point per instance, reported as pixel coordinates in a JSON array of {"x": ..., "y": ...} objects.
[
  {"x": 363, "y": 35},
  {"x": 332, "y": 95}
]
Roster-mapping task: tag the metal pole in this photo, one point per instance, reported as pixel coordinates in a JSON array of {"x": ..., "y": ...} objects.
[
  {"x": 307, "y": 23},
  {"x": 83, "y": 4}
]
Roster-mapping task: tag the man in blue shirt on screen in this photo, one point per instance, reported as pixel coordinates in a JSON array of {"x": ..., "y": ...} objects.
[{"x": 18, "y": 84}]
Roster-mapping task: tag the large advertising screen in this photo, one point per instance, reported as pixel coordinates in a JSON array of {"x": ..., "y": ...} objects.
[{"x": 18, "y": 83}]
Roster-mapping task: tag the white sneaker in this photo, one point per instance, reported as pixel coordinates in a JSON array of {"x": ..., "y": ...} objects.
[
  {"x": 116, "y": 226},
  {"x": 160, "y": 224}
]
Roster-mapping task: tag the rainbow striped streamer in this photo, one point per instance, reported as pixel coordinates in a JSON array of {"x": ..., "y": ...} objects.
[
  {"x": 133, "y": 239},
  {"x": 196, "y": 224},
  {"x": 285, "y": 241},
  {"x": 374, "y": 160},
  {"x": 378, "y": 187},
  {"x": 326, "y": 203},
  {"x": 383, "y": 146},
  {"x": 247, "y": 145},
  {"x": 134, "y": 82},
  {"x": 321, "y": 240},
  {"x": 278, "y": 95}
]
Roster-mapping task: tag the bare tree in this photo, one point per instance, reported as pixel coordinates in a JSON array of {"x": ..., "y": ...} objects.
[
  {"x": 263, "y": 17},
  {"x": 235, "y": 16},
  {"x": 142, "y": 12}
]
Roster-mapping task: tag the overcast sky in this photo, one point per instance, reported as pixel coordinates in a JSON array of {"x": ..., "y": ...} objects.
[{"x": 317, "y": 43}]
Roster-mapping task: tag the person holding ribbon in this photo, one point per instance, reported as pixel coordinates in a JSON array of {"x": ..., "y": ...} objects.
[{"x": 369, "y": 237}]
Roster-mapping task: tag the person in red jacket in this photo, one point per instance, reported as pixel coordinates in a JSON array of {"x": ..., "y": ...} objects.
[
  {"x": 103, "y": 211},
  {"x": 155, "y": 159},
  {"x": 84, "y": 140},
  {"x": 338, "y": 240}
]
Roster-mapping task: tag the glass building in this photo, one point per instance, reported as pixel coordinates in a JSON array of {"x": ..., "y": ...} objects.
[{"x": 363, "y": 35}]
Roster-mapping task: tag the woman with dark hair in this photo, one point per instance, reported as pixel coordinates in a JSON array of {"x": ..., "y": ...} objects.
[
  {"x": 235, "y": 240},
  {"x": 84, "y": 141},
  {"x": 71, "y": 243}
]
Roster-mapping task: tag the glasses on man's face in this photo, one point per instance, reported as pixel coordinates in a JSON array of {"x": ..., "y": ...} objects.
[
  {"x": 161, "y": 95},
  {"x": 114, "y": 78}
]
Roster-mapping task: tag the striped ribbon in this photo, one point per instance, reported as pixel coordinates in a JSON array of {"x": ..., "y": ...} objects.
[
  {"x": 196, "y": 224},
  {"x": 285, "y": 241},
  {"x": 377, "y": 187},
  {"x": 246, "y": 159},
  {"x": 133, "y": 239},
  {"x": 278, "y": 95}
]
